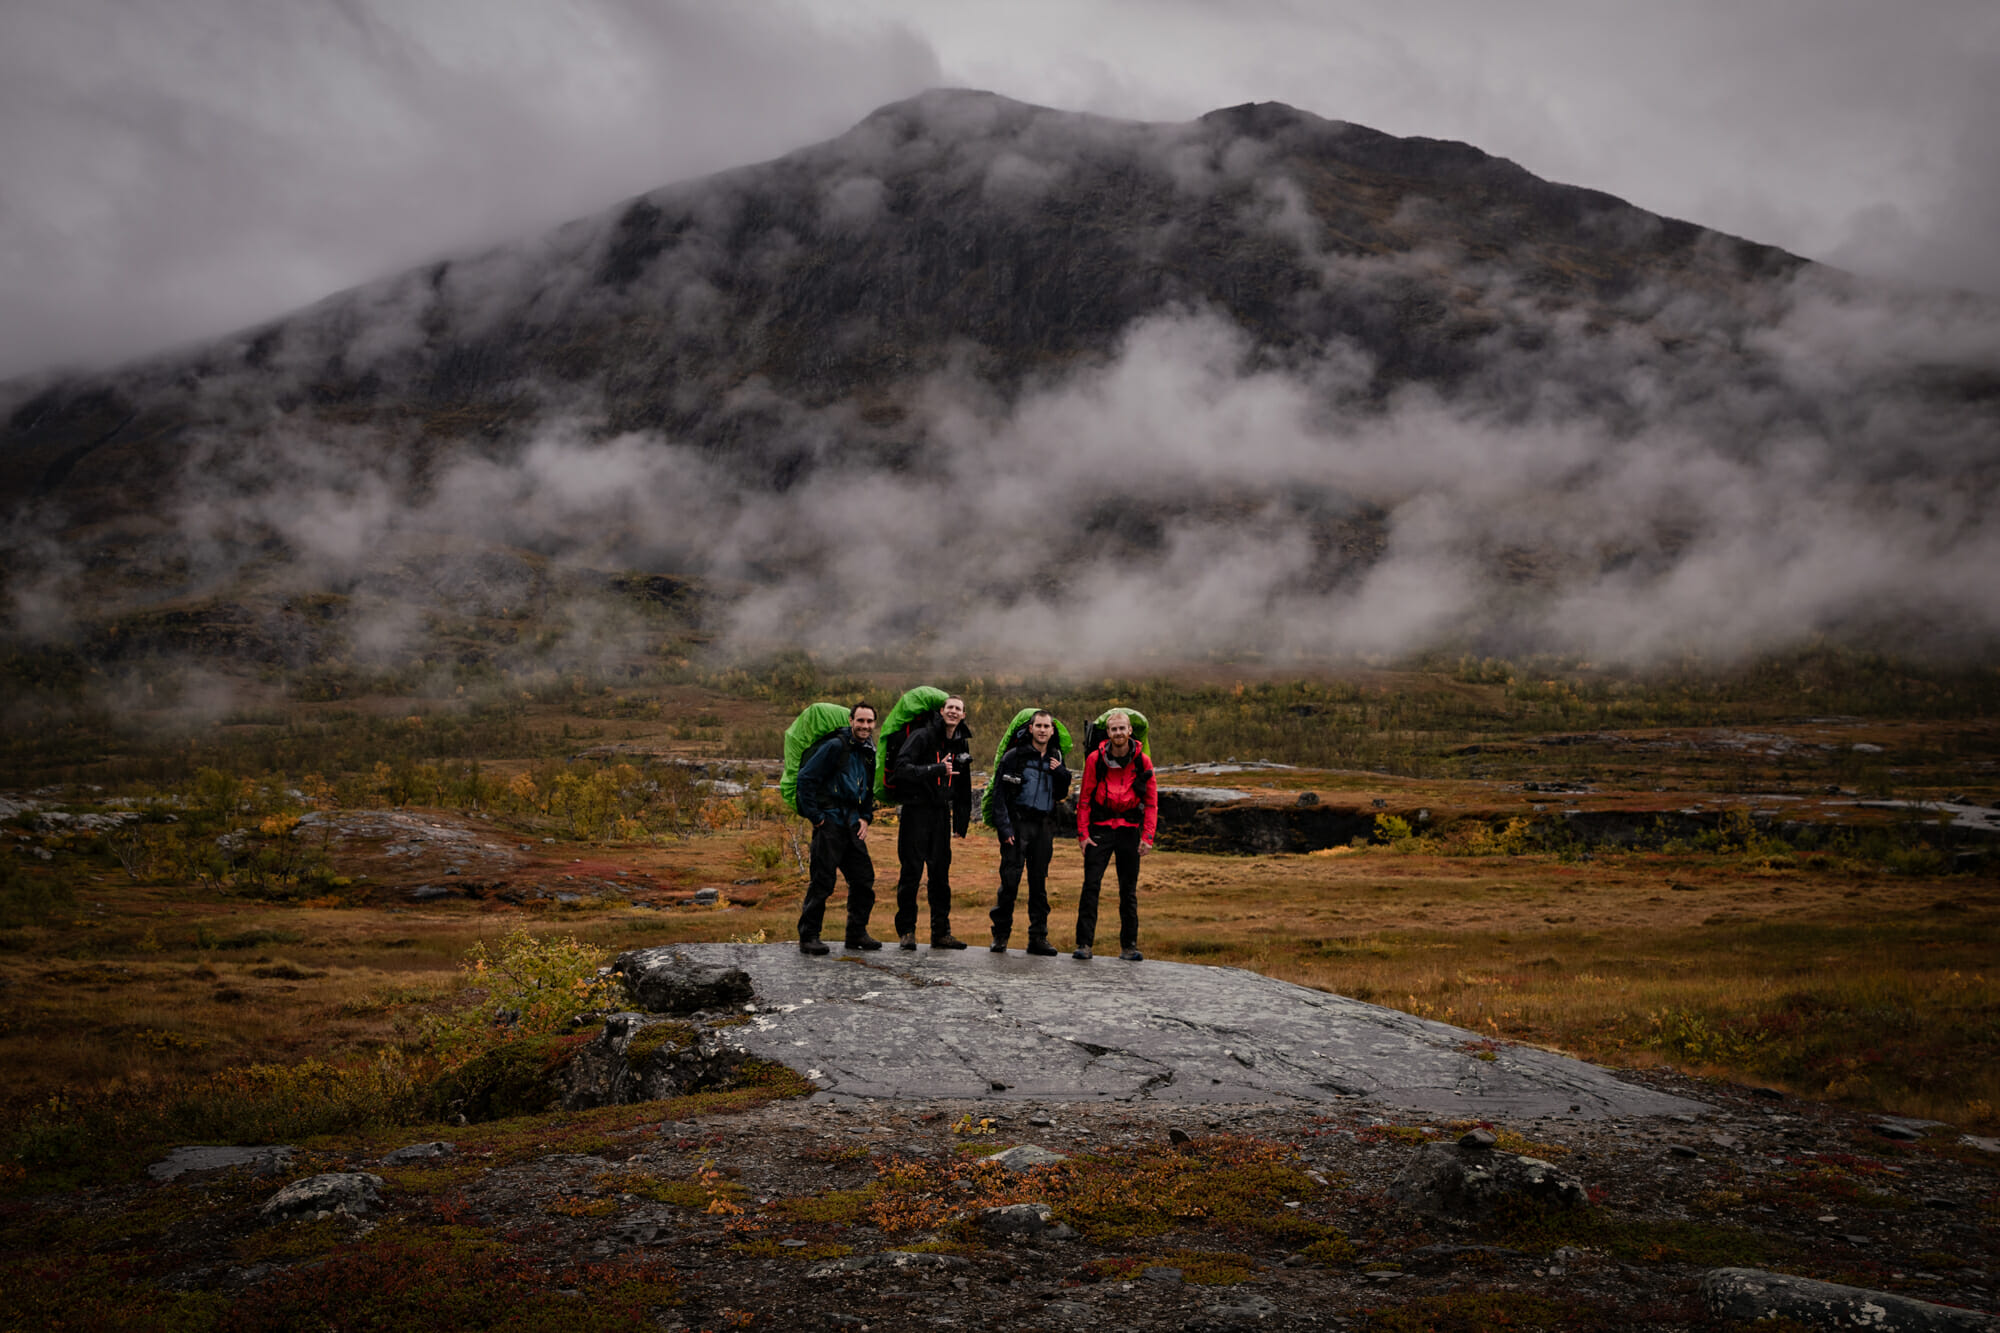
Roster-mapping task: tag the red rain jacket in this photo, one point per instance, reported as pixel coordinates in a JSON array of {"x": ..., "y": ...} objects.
[{"x": 1118, "y": 795}]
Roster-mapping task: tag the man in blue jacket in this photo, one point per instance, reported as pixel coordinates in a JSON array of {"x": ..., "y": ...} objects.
[{"x": 837, "y": 794}]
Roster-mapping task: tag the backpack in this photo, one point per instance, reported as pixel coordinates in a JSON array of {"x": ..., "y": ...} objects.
[
  {"x": 913, "y": 710},
  {"x": 809, "y": 730},
  {"x": 1095, "y": 735},
  {"x": 1015, "y": 734}
]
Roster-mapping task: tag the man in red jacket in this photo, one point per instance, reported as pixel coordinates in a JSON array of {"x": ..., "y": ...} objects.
[{"x": 1115, "y": 817}]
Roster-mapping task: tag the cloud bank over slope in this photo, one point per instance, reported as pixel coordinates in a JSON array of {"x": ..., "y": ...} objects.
[{"x": 981, "y": 381}]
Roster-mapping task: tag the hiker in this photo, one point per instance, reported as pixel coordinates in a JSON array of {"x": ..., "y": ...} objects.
[
  {"x": 1115, "y": 818},
  {"x": 836, "y": 792},
  {"x": 933, "y": 779},
  {"x": 1029, "y": 783}
]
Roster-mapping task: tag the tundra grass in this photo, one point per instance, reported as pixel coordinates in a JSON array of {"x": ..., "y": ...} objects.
[{"x": 1861, "y": 974}]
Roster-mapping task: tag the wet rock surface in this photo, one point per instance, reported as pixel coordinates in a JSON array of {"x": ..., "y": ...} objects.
[{"x": 1011, "y": 1028}]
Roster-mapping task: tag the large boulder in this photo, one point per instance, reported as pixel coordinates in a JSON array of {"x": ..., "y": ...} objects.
[
  {"x": 1749, "y": 1294},
  {"x": 644, "y": 1057},
  {"x": 348, "y": 1193},
  {"x": 668, "y": 981},
  {"x": 1469, "y": 1182}
]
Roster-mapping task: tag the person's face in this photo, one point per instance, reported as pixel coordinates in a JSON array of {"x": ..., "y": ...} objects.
[
  {"x": 1120, "y": 731},
  {"x": 862, "y": 724},
  {"x": 1041, "y": 729},
  {"x": 954, "y": 712}
]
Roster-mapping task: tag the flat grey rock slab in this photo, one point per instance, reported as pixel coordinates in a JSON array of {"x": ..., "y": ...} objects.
[
  {"x": 1748, "y": 1294},
  {"x": 1206, "y": 795},
  {"x": 974, "y": 1024},
  {"x": 183, "y": 1161}
]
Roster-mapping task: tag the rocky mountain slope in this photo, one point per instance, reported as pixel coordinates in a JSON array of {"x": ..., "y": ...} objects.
[{"x": 976, "y": 364}]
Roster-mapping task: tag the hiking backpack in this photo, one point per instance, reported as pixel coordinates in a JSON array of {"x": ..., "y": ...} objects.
[
  {"x": 809, "y": 730},
  {"x": 1095, "y": 735},
  {"x": 1015, "y": 734},
  {"x": 911, "y": 711}
]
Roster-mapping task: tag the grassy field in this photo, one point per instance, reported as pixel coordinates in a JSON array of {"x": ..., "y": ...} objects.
[{"x": 221, "y": 929}]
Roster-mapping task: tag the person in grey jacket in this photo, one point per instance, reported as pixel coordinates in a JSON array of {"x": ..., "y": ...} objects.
[
  {"x": 837, "y": 795},
  {"x": 1032, "y": 782}
]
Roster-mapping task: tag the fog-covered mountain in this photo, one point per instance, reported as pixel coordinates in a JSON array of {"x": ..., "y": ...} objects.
[{"x": 996, "y": 381}]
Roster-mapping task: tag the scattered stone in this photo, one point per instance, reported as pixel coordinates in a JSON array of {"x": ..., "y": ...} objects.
[
  {"x": 707, "y": 897},
  {"x": 1982, "y": 1143},
  {"x": 419, "y": 1152},
  {"x": 1728, "y": 1142},
  {"x": 897, "y": 1259},
  {"x": 350, "y": 1193},
  {"x": 1475, "y": 1140},
  {"x": 1160, "y": 1273},
  {"x": 1449, "y": 1182},
  {"x": 1177, "y": 1137},
  {"x": 1451, "y": 1256},
  {"x": 1308, "y": 798},
  {"x": 1682, "y": 1150},
  {"x": 1748, "y": 1294},
  {"x": 1015, "y": 1219},
  {"x": 1900, "y": 1133},
  {"x": 667, "y": 981},
  {"x": 182, "y": 1161},
  {"x": 1240, "y": 1309}
]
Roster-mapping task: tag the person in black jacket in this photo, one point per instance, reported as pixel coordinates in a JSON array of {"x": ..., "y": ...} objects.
[
  {"x": 933, "y": 779},
  {"x": 1032, "y": 782},
  {"x": 837, "y": 794}
]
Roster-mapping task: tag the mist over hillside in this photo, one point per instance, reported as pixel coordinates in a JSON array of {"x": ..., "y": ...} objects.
[{"x": 980, "y": 380}]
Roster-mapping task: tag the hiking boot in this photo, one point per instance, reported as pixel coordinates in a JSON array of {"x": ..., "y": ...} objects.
[
  {"x": 813, "y": 947},
  {"x": 908, "y": 941},
  {"x": 1082, "y": 954},
  {"x": 947, "y": 941},
  {"x": 861, "y": 939},
  {"x": 1039, "y": 947},
  {"x": 1133, "y": 956},
  {"x": 999, "y": 943}
]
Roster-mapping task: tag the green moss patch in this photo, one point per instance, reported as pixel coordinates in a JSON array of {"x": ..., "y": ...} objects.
[
  {"x": 650, "y": 1040},
  {"x": 834, "y": 1208},
  {"x": 512, "y": 1079},
  {"x": 1482, "y": 1312},
  {"x": 768, "y": 1248},
  {"x": 425, "y": 1280}
]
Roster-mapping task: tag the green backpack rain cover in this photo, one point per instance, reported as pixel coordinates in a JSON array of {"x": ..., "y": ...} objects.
[
  {"x": 808, "y": 729},
  {"x": 916, "y": 701},
  {"x": 1016, "y": 733},
  {"x": 1094, "y": 735}
]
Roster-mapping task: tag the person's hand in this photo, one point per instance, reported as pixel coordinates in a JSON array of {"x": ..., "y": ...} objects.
[
  {"x": 961, "y": 837},
  {"x": 861, "y": 830},
  {"x": 1055, "y": 761},
  {"x": 1008, "y": 841},
  {"x": 1085, "y": 841},
  {"x": 1145, "y": 847},
  {"x": 947, "y": 768}
]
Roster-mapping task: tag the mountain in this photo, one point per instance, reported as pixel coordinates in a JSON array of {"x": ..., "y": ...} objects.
[{"x": 976, "y": 367}]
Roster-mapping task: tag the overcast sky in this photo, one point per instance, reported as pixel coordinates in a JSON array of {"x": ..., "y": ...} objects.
[{"x": 171, "y": 169}]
